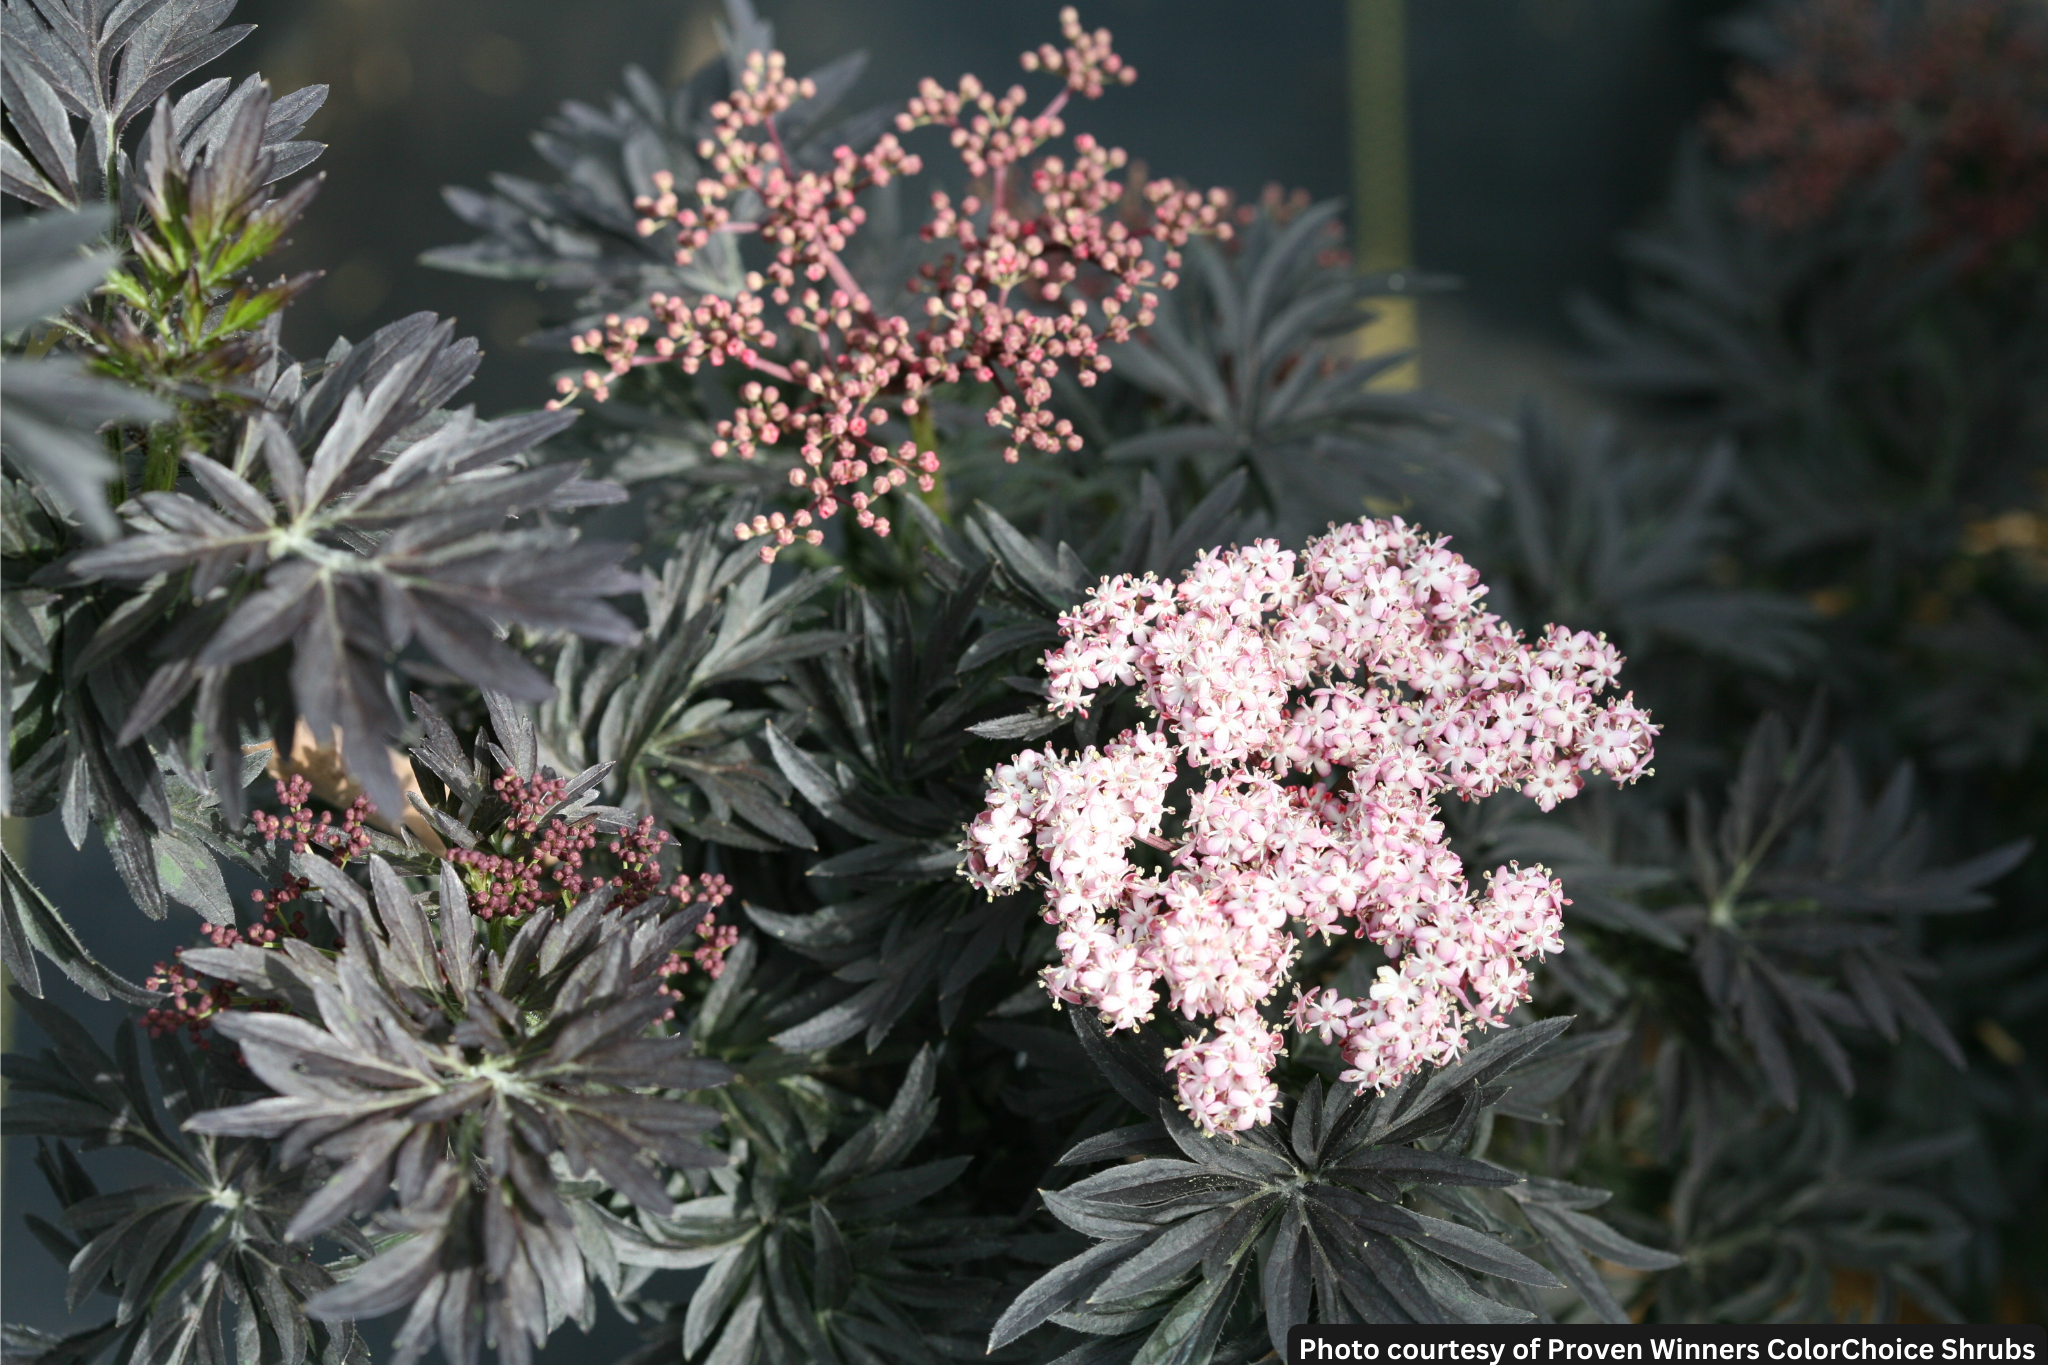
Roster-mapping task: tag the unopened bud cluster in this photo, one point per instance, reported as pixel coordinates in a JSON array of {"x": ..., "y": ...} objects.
[
  {"x": 1324, "y": 700},
  {"x": 1051, "y": 263}
]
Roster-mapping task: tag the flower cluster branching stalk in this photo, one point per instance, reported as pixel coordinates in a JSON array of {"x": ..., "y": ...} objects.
[{"x": 1055, "y": 262}]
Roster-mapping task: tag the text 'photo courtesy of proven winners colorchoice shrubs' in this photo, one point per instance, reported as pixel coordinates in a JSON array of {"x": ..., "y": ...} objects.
[{"x": 1093, "y": 824}]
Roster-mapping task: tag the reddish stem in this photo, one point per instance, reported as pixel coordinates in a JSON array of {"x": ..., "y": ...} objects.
[
  {"x": 834, "y": 267},
  {"x": 841, "y": 276},
  {"x": 753, "y": 361},
  {"x": 782, "y": 152}
]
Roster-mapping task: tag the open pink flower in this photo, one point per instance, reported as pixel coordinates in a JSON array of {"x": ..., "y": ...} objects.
[{"x": 1326, "y": 699}]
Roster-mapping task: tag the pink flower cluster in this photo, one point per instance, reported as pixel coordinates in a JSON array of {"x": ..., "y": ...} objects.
[
  {"x": 539, "y": 866},
  {"x": 298, "y": 827},
  {"x": 716, "y": 939},
  {"x": 192, "y": 1001},
  {"x": 530, "y": 800},
  {"x": 193, "y": 998},
  {"x": 1327, "y": 698},
  {"x": 515, "y": 883},
  {"x": 1051, "y": 263}
]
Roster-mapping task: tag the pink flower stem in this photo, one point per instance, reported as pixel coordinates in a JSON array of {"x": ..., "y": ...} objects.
[
  {"x": 754, "y": 361},
  {"x": 775, "y": 136},
  {"x": 835, "y": 267},
  {"x": 841, "y": 276}
]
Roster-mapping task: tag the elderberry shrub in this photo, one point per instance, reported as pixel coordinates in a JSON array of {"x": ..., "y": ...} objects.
[{"x": 803, "y": 907}]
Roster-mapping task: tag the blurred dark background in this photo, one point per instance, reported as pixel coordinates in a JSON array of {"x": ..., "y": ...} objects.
[{"x": 1538, "y": 130}]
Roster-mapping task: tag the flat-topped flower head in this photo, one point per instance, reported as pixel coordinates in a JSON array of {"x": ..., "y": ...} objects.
[{"x": 1326, "y": 699}]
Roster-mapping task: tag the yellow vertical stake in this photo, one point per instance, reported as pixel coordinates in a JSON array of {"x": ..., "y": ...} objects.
[{"x": 1379, "y": 174}]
